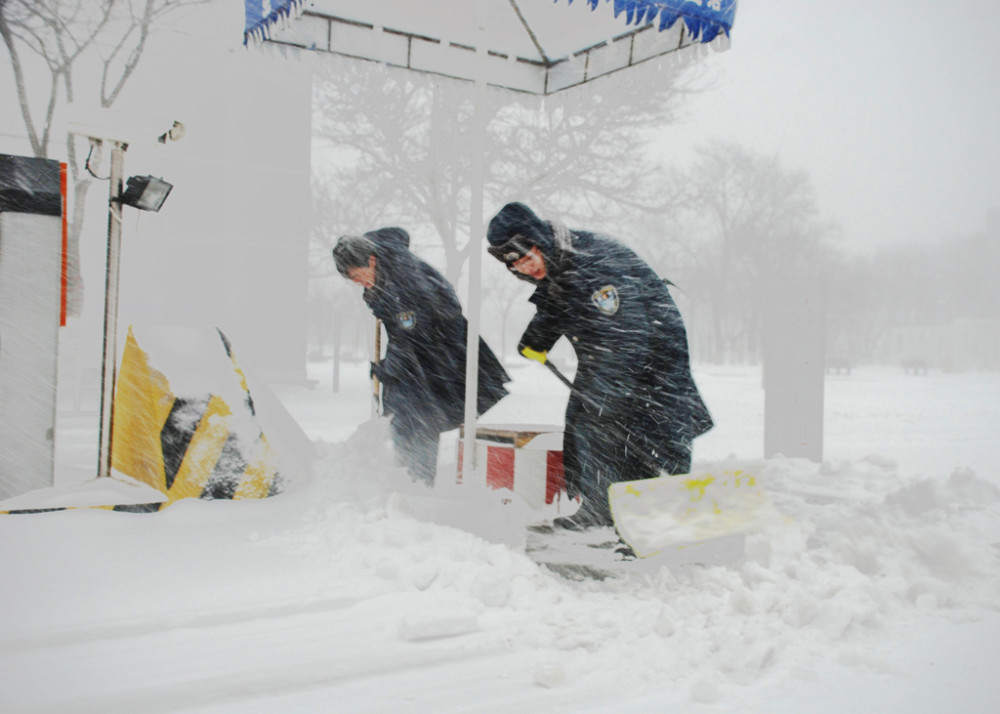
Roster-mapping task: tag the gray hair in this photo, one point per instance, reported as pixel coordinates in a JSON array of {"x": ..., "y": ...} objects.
[{"x": 352, "y": 252}]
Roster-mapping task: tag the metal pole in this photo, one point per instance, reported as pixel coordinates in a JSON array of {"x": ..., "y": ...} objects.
[
  {"x": 476, "y": 236},
  {"x": 109, "y": 360},
  {"x": 376, "y": 391}
]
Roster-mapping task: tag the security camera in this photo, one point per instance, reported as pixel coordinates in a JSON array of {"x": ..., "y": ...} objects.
[
  {"x": 176, "y": 133},
  {"x": 122, "y": 127}
]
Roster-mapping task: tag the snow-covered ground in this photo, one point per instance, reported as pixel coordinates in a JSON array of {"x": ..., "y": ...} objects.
[{"x": 354, "y": 591}]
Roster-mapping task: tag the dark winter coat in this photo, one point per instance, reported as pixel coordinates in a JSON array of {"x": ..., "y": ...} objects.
[
  {"x": 634, "y": 404},
  {"x": 423, "y": 373}
]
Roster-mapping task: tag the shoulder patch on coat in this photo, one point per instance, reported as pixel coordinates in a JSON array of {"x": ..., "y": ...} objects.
[
  {"x": 407, "y": 320},
  {"x": 606, "y": 299}
]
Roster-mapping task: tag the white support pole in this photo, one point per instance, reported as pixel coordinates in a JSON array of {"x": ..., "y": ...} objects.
[
  {"x": 109, "y": 361},
  {"x": 476, "y": 235}
]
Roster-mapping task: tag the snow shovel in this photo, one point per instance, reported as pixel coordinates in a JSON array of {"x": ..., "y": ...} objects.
[
  {"x": 562, "y": 377},
  {"x": 376, "y": 386},
  {"x": 373, "y": 434},
  {"x": 652, "y": 515},
  {"x": 655, "y": 514}
]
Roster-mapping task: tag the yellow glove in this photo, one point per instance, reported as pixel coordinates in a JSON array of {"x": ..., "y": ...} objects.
[{"x": 538, "y": 356}]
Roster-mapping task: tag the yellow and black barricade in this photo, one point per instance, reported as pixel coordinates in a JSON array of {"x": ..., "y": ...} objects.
[{"x": 204, "y": 445}]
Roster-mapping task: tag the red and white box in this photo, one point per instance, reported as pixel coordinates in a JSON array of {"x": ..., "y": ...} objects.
[{"x": 527, "y": 460}]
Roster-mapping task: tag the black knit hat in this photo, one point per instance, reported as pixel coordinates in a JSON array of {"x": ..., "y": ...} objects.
[
  {"x": 514, "y": 231},
  {"x": 352, "y": 252}
]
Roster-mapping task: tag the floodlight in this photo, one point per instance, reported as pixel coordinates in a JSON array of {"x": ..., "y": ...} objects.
[{"x": 146, "y": 193}]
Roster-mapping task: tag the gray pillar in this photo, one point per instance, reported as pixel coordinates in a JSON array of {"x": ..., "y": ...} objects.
[{"x": 794, "y": 366}]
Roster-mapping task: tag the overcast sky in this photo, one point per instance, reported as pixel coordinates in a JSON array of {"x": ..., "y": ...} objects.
[{"x": 893, "y": 107}]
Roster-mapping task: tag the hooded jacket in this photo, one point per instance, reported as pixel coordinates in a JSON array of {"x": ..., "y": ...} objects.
[
  {"x": 423, "y": 372},
  {"x": 633, "y": 379}
]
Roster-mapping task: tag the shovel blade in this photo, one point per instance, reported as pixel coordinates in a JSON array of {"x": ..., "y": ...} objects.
[{"x": 673, "y": 511}]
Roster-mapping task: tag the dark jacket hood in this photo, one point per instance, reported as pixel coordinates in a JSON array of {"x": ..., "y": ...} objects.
[
  {"x": 516, "y": 219},
  {"x": 392, "y": 238}
]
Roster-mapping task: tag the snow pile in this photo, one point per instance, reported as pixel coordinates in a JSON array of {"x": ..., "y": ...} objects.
[
  {"x": 119, "y": 489},
  {"x": 855, "y": 555},
  {"x": 356, "y": 590}
]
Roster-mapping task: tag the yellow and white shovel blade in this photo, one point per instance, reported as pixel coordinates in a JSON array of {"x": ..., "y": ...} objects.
[{"x": 655, "y": 514}]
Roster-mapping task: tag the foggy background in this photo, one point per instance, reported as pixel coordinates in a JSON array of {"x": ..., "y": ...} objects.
[
  {"x": 851, "y": 145},
  {"x": 846, "y": 149}
]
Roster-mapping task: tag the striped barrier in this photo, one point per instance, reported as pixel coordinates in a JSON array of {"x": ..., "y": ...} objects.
[
  {"x": 184, "y": 421},
  {"x": 199, "y": 440},
  {"x": 527, "y": 461}
]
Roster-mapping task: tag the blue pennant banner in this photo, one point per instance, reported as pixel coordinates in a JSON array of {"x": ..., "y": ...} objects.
[
  {"x": 262, "y": 15},
  {"x": 705, "y": 19}
]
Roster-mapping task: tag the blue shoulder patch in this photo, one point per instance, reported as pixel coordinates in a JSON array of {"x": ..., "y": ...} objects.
[
  {"x": 606, "y": 299},
  {"x": 407, "y": 320}
]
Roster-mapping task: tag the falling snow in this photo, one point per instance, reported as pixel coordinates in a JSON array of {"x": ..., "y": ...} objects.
[{"x": 359, "y": 591}]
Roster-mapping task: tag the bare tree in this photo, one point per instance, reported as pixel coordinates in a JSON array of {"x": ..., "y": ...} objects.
[
  {"x": 394, "y": 145},
  {"x": 397, "y": 146},
  {"x": 59, "y": 35},
  {"x": 408, "y": 138},
  {"x": 755, "y": 220}
]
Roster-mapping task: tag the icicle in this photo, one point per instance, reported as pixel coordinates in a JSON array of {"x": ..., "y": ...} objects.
[{"x": 280, "y": 17}]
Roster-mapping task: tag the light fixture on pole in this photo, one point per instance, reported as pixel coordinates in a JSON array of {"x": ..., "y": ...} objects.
[{"x": 145, "y": 192}]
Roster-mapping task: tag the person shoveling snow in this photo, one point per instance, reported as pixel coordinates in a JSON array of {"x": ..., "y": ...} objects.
[{"x": 634, "y": 409}]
